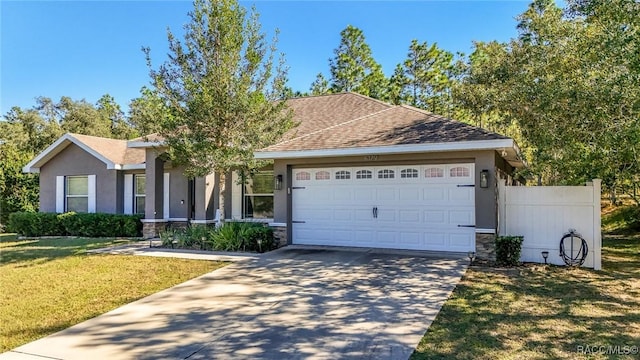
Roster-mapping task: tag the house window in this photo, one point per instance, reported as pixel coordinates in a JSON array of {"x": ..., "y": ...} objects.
[
  {"x": 386, "y": 174},
  {"x": 257, "y": 196},
  {"x": 343, "y": 175},
  {"x": 459, "y": 171},
  {"x": 409, "y": 173},
  {"x": 364, "y": 174},
  {"x": 139, "y": 195},
  {"x": 77, "y": 194},
  {"x": 323, "y": 175},
  {"x": 434, "y": 172},
  {"x": 303, "y": 175}
]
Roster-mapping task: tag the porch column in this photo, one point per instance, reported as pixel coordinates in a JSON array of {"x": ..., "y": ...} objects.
[{"x": 153, "y": 220}]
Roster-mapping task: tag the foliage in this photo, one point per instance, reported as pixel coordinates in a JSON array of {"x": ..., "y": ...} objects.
[
  {"x": 26, "y": 132},
  {"x": 51, "y": 284},
  {"x": 147, "y": 112},
  {"x": 570, "y": 83},
  {"x": 18, "y": 191},
  {"x": 424, "y": 78},
  {"x": 624, "y": 219},
  {"x": 232, "y": 236},
  {"x": 508, "y": 249},
  {"x": 75, "y": 224},
  {"x": 353, "y": 68},
  {"x": 222, "y": 89}
]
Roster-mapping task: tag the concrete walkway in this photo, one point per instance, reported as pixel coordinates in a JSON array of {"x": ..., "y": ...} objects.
[
  {"x": 289, "y": 304},
  {"x": 150, "y": 248}
]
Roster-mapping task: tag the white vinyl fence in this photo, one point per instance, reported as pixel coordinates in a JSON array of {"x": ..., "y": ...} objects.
[{"x": 543, "y": 214}]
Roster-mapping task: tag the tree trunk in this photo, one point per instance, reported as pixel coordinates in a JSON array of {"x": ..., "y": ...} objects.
[{"x": 222, "y": 189}]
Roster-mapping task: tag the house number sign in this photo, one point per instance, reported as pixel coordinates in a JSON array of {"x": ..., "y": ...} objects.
[{"x": 371, "y": 158}]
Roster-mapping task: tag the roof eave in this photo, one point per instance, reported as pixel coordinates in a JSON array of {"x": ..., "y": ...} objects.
[
  {"x": 145, "y": 144},
  {"x": 497, "y": 144},
  {"x": 54, "y": 149}
]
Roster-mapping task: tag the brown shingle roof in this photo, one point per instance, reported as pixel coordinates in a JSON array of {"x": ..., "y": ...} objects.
[
  {"x": 350, "y": 120},
  {"x": 114, "y": 150},
  {"x": 395, "y": 125}
]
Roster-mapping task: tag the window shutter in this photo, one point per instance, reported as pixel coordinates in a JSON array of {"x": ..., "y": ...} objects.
[
  {"x": 236, "y": 197},
  {"x": 59, "y": 194},
  {"x": 128, "y": 194},
  {"x": 91, "y": 182},
  {"x": 165, "y": 199}
]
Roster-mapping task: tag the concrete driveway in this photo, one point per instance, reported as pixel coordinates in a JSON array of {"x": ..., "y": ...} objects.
[{"x": 289, "y": 304}]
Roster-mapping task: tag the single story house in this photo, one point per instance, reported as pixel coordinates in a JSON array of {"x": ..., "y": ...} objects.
[{"x": 355, "y": 172}]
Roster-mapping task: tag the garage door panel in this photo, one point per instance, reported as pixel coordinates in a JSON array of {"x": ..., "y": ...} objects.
[
  {"x": 343, "y": 235},
  {"x": 386, "y": 215},
  {"x": 342, "y": 195},
  {"x": 461, "y": 217},
  {"x": 409, "y": 195},
  {"x": 364, "y": 194},
  {"x": 435, "y": 217},
  {"x": 386, "y": 194},
  {"x": 410, "y": 238},
  {"x": 434, "y": 194},
  {"x": 409, "y": 216},
  {"x": 421, "y": 213},
  {"x": 385, "y": 238},
  {"x": 462, "y": 194}
]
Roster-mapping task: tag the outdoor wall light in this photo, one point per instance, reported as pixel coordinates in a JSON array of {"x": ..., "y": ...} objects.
[
  {"x": 545, "y": 255},
  {"x": 277, "y": 183},
  {"x": 484, "y": 178}
]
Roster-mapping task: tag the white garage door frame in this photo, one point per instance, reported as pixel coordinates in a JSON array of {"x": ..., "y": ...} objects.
[{"x": 414, "y": 207}]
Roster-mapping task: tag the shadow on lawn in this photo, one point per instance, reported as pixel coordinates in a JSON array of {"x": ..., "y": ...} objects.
[
  {"x": 42, "y": 250},
  {"x": 540, "y": 312}
]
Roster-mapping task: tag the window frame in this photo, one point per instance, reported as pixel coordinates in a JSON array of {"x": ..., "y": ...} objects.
[
  {"x": 136, "y": 195},
  {"x": 245, "y": 196},
  {"x": 75, "y": 196}
]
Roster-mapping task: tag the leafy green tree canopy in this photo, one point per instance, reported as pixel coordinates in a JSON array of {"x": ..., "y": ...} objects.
[{"x": 223, "y": 90}]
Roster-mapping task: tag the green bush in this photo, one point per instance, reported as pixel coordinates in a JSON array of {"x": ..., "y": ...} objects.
[
  {"x": 232, "y": 236},
  {"x": 75, "y": 224},
  {"x": 508, "y": 249}
]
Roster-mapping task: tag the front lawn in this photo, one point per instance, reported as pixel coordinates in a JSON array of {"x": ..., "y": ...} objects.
[
  {"x": 540, "y": 312},
  {"x": 50, "y": 284}
]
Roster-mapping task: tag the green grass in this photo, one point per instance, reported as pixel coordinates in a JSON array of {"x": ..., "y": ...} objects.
[
  {"x": 8, "y": 237},
  {"x": 621, "y": 220},
  {"x": 50, "y": 284},
  {"x": 541, "y": 312}
]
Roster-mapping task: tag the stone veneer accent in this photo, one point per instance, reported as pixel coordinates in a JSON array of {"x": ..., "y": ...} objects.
[
  {"x": 280, "y": 233},
  {"x": 152, "y": 229},
  {"x": 486, "y": 247}
]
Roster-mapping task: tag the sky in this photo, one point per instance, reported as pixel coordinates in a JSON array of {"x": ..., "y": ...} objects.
[{"x": 84, "y": 49}]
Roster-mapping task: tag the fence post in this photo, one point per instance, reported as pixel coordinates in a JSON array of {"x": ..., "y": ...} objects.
[
  {"x": 502, "y": 209},
  {"x": 597, "y": 232}
]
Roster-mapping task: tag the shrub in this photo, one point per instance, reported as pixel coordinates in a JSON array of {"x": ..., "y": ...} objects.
[
  {"x": 35, "y": 224},
  {"x": 232, "y": 236},
  {"x": 508, "y": 249},
  {"x": 75, "y": 224}
]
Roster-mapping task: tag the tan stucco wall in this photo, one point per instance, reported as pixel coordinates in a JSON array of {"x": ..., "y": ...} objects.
[
  {"x": 75, "y": 161},
  {"x": 486, "y": 206}
]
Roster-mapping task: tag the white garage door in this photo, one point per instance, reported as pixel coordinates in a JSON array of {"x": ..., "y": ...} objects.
[{"x": 420, "y": 207}]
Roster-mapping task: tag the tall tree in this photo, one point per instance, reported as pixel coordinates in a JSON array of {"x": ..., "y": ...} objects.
[
  {"x": 223, "y": 91},
  {"x": 148, "y": 112},
  {"x": 110, "y": 112},
  {"x": 572, "y": 85},
  {"x": 320, "y": 85},
  {"x": 353, "y": 67},
  {"x": 427, "y": 77}
]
